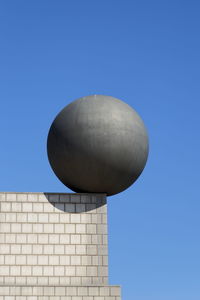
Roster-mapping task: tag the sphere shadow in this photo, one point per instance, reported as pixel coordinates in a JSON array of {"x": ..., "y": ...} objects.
[{"x": 76, "y": 203}]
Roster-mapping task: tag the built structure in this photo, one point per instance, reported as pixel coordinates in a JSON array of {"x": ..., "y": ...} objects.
[{"x": 53, "y": 246}]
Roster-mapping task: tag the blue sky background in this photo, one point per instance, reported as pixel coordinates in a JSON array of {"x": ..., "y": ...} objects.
[{"x": 147, "y": 54}]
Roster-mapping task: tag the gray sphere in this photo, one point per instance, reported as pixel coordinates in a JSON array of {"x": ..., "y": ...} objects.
[{"x": 97, "y": 144}]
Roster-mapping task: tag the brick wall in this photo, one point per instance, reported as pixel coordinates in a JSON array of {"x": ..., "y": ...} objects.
[
  {"x": 54, "y": 240},
  {"x": 60, "y": 293}
]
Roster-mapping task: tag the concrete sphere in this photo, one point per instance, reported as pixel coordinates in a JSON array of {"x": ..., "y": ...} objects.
[{"x": 97, "y": 144}]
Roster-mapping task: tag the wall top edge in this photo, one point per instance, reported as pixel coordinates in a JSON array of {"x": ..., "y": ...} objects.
[
  {"x": 60, "y": 285},
  {"x": 54, "y": 193}
]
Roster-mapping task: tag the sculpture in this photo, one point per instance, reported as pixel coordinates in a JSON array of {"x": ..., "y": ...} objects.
[{"x": 97, "y": 144}]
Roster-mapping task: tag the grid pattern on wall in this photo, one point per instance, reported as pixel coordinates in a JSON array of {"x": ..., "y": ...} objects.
[
  {"x": 53, "y": 239},
  {"x": 60, "y": 293}
]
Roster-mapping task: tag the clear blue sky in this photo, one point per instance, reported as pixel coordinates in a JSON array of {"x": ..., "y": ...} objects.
[{"x": 146, "y": 53}]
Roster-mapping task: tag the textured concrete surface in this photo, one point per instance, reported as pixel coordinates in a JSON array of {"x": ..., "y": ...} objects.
[
  {"x": 57, "y": 242},
  {"x": 60, "y": 293},
  {"x": 97, "y": 144}
]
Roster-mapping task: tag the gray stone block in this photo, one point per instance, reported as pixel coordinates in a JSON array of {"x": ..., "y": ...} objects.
[{"x": 54, "y": 246}]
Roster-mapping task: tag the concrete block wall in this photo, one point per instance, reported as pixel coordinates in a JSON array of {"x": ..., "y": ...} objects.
[
  {"x": 59, "y": 293},
  {"x": 54, "y": 240}
]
